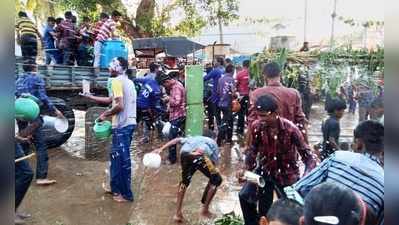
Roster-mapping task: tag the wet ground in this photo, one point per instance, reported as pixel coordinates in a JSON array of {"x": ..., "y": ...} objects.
[{"x": 78, "y": 197}]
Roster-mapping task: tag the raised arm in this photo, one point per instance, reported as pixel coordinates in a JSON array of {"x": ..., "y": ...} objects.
[{"x": 167, "y": 145}]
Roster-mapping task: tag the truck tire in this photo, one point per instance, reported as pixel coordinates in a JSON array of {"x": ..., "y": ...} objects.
[{"x": 53, "y": 138}]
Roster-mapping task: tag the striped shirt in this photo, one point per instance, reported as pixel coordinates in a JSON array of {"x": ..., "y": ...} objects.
[
  {"x": 25, "y": 26},
  {"x": 362, "y": 173},
  {"x": 96, "y": 28},
  {"x": 106, "y": 30}
]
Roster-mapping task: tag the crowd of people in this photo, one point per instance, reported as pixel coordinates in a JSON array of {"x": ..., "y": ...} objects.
[
  {"x": 339, "y": 187},
  {"x": 64, "y": 41}
]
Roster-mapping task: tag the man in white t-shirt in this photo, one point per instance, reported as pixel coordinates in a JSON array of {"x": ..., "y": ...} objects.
[{"x": 122, "y": 96}]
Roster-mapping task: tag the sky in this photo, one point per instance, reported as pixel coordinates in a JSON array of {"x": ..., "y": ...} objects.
[{"x": 318, "y": 28}]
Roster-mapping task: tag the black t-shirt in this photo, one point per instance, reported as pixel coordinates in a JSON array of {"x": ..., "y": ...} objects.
[{"x": 330, "y": 128}]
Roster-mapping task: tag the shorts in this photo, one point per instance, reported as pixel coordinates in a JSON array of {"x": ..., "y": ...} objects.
[{"x": 191, "y": 163}]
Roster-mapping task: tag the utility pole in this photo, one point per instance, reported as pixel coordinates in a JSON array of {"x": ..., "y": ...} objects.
[
  {"x": 334, "y": 14},
  {"x": 305, "y": 24},
  {"x": 220, "y": 23}
]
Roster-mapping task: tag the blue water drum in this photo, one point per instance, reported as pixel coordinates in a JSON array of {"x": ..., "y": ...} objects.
[{"x": 112, "y": 49}]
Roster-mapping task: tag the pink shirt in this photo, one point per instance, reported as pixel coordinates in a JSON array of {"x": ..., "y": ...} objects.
[
  {"x": 177, "y": 101},
  {"x": 243, "y": 82}
]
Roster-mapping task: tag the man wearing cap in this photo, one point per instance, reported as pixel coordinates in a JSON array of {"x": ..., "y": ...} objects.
[
  {"x": 274, "y": 155},
  {"x": 177, "y": 109},
  {"x": 123, "y": 113}
]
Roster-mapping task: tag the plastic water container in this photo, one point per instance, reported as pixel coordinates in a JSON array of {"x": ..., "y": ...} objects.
[
  {"x": 152, "y": 160},
  {"x": 112, "y": 49}
]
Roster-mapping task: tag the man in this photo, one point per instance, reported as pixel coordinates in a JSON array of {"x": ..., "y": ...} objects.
[
  {"x": 207, "y": 96},
  {"x": 225, "y": 91},
  {"x": 84, "y": 55},
  {"x": 273, "y": 154},
  {"x": 154, "y": 69},
  {"x": 106, "y": 31},
  {"x": 67, "y": 34},
  {"x": 214, "y": 75},
  {"x": 123, "y": 113},
  {"x": 27, "y": 35},
  {"x": 23, "y": 177},
  {"x": 362, "y": 171},
  {"x": 97, "y": 26},
  {"x": 377, "y": 109},
  {"x": 242, "y": 83},
  {"x": 351, "y": 98},
  {"x": 288, "y": 99},
  {"x": 148, "y": 102},
  {"x": 49, "y": 42},
  {"x": 364, "y": 98},
  {"x": 177, "y": 110},
  {"x": 84, "y": 26},
  {"x": 197, "y": 153},
  {"x": 31, "y": 83}
]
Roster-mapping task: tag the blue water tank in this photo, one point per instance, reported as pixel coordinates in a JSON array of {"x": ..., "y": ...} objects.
[{"x": 112, "y": 49}]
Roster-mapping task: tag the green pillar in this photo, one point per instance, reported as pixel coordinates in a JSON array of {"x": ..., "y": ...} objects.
[{"x": 194, "y": 93}]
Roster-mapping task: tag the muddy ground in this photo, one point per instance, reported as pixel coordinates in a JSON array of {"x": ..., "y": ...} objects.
[{"x": 78, "y": 197}]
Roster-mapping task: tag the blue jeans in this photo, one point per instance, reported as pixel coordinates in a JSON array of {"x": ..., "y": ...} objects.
[
  {"x": 41, "y": 149},
  {"x": 52, "y": 55},
  {"x": 177, "y": 128},
  {"x": 69, "y": 57},
  {"x": 23, "y": 176},
  {"x": 121, "y": 175}
]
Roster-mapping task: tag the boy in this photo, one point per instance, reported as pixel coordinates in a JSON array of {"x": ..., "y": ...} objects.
[
  {"x": 331, "y": 129},
  {"x": 197, "y": 153},
  {"x": 283, "y": 212},
  {"x": 49, "y": 41}
]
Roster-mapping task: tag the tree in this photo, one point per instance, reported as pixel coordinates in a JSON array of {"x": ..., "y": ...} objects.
[{"x": 153, "y": 20}]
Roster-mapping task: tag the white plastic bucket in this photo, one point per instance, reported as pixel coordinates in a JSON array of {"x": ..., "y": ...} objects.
[
  {"x": 152, "y": 160},
  {"x": 59, "y": 124},
  {"x": 166, "y": 129}
]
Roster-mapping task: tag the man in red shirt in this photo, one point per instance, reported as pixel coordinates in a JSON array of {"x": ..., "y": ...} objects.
[
  {"x": 104, "y": 33},
  {"x": 288, "y": 99},
  {"x": 242, "y": 82},
  {"x": 68, "y": 36},
  {"x": 177, "y": 109},
  {"x": 273, "y": 154}
]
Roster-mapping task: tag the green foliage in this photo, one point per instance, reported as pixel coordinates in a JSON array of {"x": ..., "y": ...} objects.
[
  {"x": 197, "y": 14},
  {"x": 229, "y": 219},
  {"x": 213, "y": 10}
]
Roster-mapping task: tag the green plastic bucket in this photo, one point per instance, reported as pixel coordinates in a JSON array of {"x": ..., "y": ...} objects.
[
  {"x": 102, "y": 130},
  {"x": 26, "y": 109}
]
